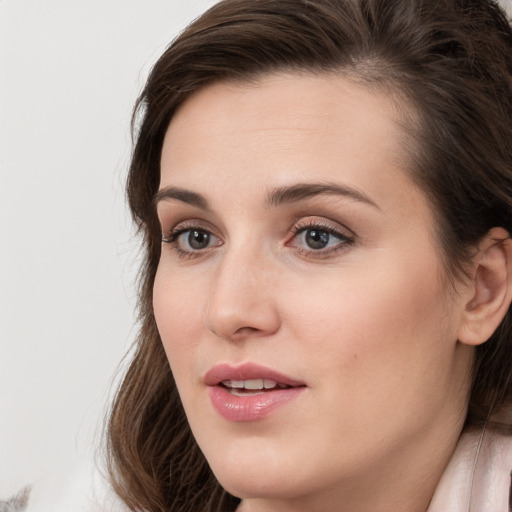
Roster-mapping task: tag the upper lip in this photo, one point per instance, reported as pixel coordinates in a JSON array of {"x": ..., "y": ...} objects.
[{"x": 246, "y": 371}]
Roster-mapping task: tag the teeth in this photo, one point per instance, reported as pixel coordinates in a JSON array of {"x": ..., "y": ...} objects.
[
  {"x": 253, "y": 384},
  {"x": 269, "y": 384}
]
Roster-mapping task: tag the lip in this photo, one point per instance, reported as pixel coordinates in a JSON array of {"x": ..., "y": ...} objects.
[{"x": 251, "y": 407}]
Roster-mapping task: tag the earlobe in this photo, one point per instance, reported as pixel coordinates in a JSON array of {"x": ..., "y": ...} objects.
[{"x": 492, "y": 288}]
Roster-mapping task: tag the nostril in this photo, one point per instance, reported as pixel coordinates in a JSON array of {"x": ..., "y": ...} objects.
[{"x": 246, "y": 330}]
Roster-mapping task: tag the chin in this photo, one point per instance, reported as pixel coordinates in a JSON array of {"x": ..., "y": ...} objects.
[
  {"x": 263, "y": 470},
  {"x": 259, "y": 484},
  {"x": 253, "y": 469}
]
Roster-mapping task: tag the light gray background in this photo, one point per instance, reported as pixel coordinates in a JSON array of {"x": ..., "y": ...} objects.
[{"x": 70, "y": 72}]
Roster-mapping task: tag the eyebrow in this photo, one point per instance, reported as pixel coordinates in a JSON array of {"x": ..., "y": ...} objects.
[
  {"x": 276, "y": 197},
  {"x": 300, "y": 191},
  {"x": 183, "y": 195}
]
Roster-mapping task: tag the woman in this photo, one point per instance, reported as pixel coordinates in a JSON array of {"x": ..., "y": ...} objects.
[{"x": 324, "y": 189}]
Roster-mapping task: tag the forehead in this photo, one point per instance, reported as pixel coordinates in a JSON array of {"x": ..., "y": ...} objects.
[
  {"x": 290, "y": 105},
  {"x": 285, "y": 128}
]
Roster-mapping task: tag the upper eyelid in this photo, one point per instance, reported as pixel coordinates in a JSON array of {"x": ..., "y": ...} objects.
[
  {"x": 299, "y": 224},
  {"x": 190, "y": 224},
  {"x": 322, "y": 222},
  {"x": 337, "y": 233},
  {"x": 171, "y": 213}
]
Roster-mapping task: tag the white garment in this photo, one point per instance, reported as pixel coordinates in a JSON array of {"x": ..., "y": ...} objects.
[{"x": 477, "y": 478}]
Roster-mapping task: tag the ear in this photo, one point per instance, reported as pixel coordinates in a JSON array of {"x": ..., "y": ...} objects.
[{"x": 491, "y": 288}]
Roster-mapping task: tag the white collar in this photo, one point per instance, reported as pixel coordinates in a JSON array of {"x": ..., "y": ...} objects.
[{"x": 477, "y": 478}]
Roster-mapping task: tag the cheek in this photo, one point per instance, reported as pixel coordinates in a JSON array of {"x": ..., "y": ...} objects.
[
  {"x": 178, "y": 305},
  {"x": 374, "y": 344},
  {"x": 386, "y": 322}
]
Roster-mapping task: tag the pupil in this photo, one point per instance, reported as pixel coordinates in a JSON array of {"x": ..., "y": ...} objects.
[
  {"x": 317, "y": 238},
  {"x": 198, "y": 239}
]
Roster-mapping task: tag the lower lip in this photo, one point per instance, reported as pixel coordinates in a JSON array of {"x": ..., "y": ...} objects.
[{"x": 251, "y": 407}]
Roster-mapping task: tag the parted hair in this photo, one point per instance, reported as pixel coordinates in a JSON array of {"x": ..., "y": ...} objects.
[{"x": 449, "y": 61}]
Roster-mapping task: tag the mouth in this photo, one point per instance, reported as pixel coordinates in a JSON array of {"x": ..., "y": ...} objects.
[
  {"x": 251, "y": 387},
  {"x": 249, "y": 392},
  {"x": 249, "y": 377}
]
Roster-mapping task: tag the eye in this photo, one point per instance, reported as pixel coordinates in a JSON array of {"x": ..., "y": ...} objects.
[
  {"x": 319, "y": 240},
  {"x": 191, "y": 241},
  {"x": 316, "y": 238},
  {"x": 195, "y": 239}
]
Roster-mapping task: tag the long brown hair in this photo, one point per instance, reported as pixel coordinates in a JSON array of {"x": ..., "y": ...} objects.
[{"x": 450, "y": 59}]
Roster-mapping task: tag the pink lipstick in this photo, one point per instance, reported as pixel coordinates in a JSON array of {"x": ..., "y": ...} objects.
[{"x": 249, "y": 392}]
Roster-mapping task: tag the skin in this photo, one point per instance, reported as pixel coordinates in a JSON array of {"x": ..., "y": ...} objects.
[{"x": 370, "y": 326}]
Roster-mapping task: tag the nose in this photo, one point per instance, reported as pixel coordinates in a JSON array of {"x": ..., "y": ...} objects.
[{"x": 243, "y": 298}]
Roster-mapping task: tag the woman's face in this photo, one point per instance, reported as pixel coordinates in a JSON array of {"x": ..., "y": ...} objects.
[{"x": 300, "y": 294}]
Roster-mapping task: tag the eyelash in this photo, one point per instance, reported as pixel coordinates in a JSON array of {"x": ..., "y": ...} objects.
[
  {"x": 345, "y": 240},
  {"x": 172, "y": 239}
]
